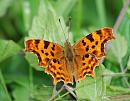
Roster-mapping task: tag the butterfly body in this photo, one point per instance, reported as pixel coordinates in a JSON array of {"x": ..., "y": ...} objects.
[
  {"x": 71, "y": 63},
  {"x": 69, "y": 57}
]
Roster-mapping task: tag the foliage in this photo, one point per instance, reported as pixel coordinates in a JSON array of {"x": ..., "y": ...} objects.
[{"x": 21, "y": 79}]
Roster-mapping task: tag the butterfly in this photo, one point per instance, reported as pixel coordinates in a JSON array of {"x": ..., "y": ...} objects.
[{"x": 71, "y": 63}]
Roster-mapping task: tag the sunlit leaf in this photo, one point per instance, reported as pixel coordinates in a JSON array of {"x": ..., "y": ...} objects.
[
  {"x": 8, "y": 49},
  {"x": 33, "y": 61},
  {"x": 119, "y": 47},
  {"x": 41, "y": 93},
  {"x": 21, "y": 93},
  {"x": 92, "y": 88}
]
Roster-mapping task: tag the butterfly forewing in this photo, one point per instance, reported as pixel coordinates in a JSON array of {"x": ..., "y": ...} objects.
[
  {"x": 45, "y": 50},
  {"x": 91, "y": 48},
  {"x": 94, "y": 43}
]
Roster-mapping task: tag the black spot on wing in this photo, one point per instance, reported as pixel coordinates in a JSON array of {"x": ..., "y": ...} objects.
[
  {"x": 89, "y": 37},
  {"x": 46, "y": 44},
  {"x": 53, "y": 48},
  {"x": 98, "y": 32},
  {"x": 54, "y": 60},
  {"x": 93, "y": 46},
  {"x": 96, "y": 43},
  {"x": 84, "y": 43},
  {"x": 86, "y": 55},
  {"x": 87, "y": 48},
  {"x": 42, "y": 51},
  {"x": 52, "y": 53},
  {"x": 37, "y": 41},
  {"x": 46, "y": 54}
]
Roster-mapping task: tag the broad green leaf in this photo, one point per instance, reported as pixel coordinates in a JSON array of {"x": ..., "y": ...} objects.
[
  {"x": 128, "y": 64},
  {"x": 33, "y": 61},
  {"x": 92, "y": 89},
  {"x": 8, "y": 48},
  {"x": 21, "y": 93},
  {"x": 119, "y": 47},
  {"x": 42, "y": 93},
  {"x": 46, "y": 25}
]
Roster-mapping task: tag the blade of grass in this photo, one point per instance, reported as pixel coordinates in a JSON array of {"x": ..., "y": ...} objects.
[{"x": 101, "y": 11}]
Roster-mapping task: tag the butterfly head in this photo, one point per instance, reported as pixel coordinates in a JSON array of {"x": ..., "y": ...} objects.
[{"x": 67, "y": 43}]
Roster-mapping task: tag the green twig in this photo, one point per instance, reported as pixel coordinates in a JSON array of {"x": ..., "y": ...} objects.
[
  {"x": 117, "y": 74},
  {"x": 121, "y": 15}
]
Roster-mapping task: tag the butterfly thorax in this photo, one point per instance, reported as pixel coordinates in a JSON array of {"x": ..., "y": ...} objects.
[{"x": 68, "y": 51}]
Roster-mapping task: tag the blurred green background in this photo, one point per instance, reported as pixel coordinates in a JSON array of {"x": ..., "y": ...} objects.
[{"x": 21, "y": 79}]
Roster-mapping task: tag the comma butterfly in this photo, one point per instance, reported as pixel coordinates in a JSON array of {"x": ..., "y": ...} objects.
[{"x": 71, "y": 63}]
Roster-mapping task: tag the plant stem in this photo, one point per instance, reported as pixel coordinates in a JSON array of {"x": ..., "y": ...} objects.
[
  {"x": 122, "y": 13},
  {"x": 120, "y": 97},
  {"x": 117, "y": 74},
  {"x": 4, "y": 86},
  {"x": 124, "y": 78},
  {"x": 31, "y": 80}
]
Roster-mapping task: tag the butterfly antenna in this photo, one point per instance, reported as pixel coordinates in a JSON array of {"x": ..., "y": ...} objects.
[
  {"x": 62, "y": 28},
  {"x": 68, "y": 24}
]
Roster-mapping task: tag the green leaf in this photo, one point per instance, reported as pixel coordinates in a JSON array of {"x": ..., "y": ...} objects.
[
  {"x": 8, "y": 49},
  {"x": 48, "y": 28},
  {"x": 119, "y": 47},
  {"x": 21, "y": 93},
  {"x": 33, "y": 61},
  {"x": 41, "y": 93},
  {"x": 92, "y": 89}
]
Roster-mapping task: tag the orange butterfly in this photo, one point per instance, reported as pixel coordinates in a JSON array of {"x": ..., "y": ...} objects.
[{"x": 71, "y": 63}]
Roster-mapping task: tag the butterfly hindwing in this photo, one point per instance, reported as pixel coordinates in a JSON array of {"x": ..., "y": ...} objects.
[
  {"x": 44, "y": 50},
  {"x": 57, "y": 69}
]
